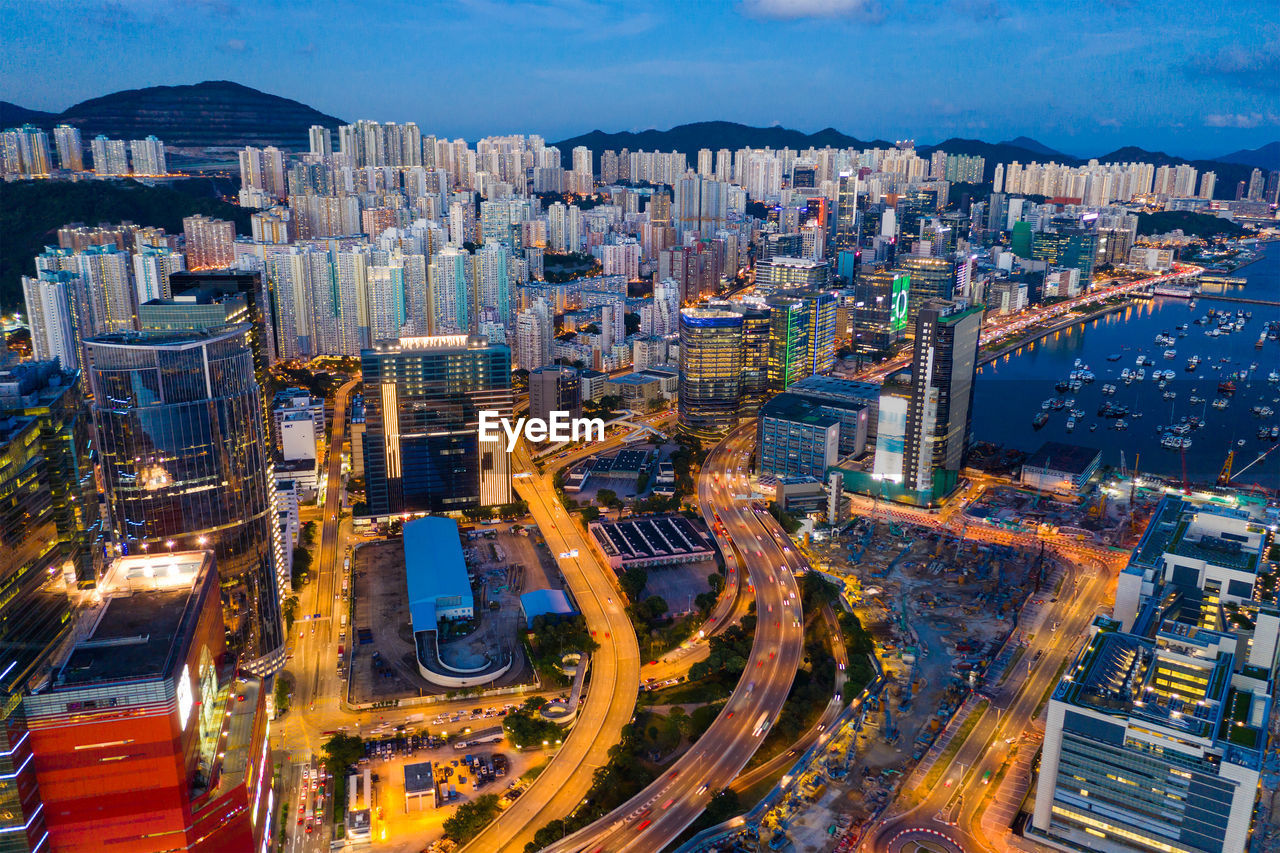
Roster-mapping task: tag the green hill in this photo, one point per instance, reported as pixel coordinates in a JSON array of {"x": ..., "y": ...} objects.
[{"x": 31, "y": 212}]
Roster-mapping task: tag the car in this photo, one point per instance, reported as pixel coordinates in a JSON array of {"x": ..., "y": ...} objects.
[{"x": 702, "y": 789}]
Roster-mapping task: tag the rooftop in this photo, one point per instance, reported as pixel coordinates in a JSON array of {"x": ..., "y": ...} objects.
[
  {"x": 151, "y": 609},
  {"x": 1057, "y": 456},
  {"x": 542, "y": 602},
  {"x": 419, "y": 778},
  {"x": 435, "y": 568}
]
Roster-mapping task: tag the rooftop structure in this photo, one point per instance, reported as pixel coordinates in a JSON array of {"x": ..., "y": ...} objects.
[
  {"x": 1156, "y": 733},
  {"x": 1213, "y": 548},
  {"x": 545, "y": 602},
  {"x": 436, "y": 572},
  {"x": 1060, "y": 467},
  {"x": 647, "y": 541}
]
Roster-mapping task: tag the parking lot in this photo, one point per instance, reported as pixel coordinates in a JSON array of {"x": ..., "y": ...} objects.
[
  {"x": 383, "y": 663},
  {"x": 462, "y": 774}
]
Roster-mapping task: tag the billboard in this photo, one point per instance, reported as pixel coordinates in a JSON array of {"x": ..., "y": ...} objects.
[{"x": 901, "y": 301}]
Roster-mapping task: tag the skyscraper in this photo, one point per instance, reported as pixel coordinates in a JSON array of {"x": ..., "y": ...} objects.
[
  {"x": 66, "y": 139},
  {"x": 788, "y": 341},
  {"x": 931, "y": 278},
  {"x": 35, "y": 616},
  {"x": 711, "y": 347},
  {"x": 148, "y": 156},
  {"x": 143, "y": 737},
  {"x": 53, "y": 316},
  {"x": 186, "y": 461},
  {"x": 938, "y": 411},
  {"x": 422, "y": 448},
  {"x": 110, "y": 157},
  {"x": 210, "y": 243},
  {"x": 26, "y": 151},
  {"x": 554, "y": 388}
]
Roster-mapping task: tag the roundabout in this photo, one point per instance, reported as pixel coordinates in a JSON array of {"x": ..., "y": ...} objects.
[{"x": 923, "y": 841}]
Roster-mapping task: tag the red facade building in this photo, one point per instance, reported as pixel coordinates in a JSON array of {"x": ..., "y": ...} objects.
[{"x": 145, "y": 739}]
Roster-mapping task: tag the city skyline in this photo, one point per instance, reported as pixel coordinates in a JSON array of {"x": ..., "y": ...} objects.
[{"x": 625, "y": 67}]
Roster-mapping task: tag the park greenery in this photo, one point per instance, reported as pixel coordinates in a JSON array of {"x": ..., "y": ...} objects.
[
  {"x": 33, "y": 211},
  {"x": 526, "y": 728},
  {"x": 551, "y": 637},
  {"x": 470, "y": 818}
]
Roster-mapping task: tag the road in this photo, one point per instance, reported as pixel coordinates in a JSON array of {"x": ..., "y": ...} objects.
[
  {"x": 613, "y": 681},
  {"x": 1001, "y": 326},
  {"x": 955, "y": 803},
  {"x": 313, "y": 665},
  {"x": 783, "y": 760},
  {"x": 664, "y": 809}
]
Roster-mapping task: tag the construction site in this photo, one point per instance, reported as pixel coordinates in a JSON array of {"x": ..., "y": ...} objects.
[{"x": 940, "y": 610}]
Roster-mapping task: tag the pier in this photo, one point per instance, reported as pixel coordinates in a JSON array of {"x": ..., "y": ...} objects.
[
  {"x": 1223, "y": 279},
  {"x": 1247, "y": 300}
]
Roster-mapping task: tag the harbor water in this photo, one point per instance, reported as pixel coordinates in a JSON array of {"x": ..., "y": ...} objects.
[{"x": 1012, "y": 392}]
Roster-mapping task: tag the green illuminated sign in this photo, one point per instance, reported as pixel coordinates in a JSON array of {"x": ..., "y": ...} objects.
[{"x": 901, "y": 300}]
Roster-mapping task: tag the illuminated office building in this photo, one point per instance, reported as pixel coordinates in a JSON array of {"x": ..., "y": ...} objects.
[
  {"x": 422, "y": 449},
  {"x": 711, "y": 350},
  {"x": 186, "y": 462}
]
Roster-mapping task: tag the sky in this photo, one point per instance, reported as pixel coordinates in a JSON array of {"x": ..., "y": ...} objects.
[{"x": 1082, "y": 76}]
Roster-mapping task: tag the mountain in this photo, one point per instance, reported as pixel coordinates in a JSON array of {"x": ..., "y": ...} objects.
[
  {"x": 215, "y": 113},
  {"x": 1229, "y": 174},
  {"x": 689, "y": 138},
  {"x": 1028, "y": 144},
  {"x": 993, "y": 153},
  {"x": 1266, "y": 157},
  {"x": 12, "y": 115}
]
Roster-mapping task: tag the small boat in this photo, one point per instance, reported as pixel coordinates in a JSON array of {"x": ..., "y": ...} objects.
[
  {"x": 1273, "y": 376},
  {"x": 1071, "y": 424},
  {"x": 1142, "y": 374},
  {"x": 1226, "y": 386},
  {"x": 1040, "y": 420},
  {"x": 1170, "y": 395},
  {"x": 1120, "y": 424},
  {"x": 1115, "y": 356},
  {"x": 1171, "y": 353},
  {"x": 1220, "y": 403},
  {"x": 1093, "y": 427}
]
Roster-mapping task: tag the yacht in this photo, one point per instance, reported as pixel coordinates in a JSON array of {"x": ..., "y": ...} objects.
[{"x": 1171, "y": 353}]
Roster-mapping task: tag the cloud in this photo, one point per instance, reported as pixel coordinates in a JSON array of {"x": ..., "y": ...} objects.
[
  {"x": 1242, "y": 120},
  {"x": 236, "y": 46},
  {"x": 798, "y": 9},
  {"x": 1249, "y": 67}
]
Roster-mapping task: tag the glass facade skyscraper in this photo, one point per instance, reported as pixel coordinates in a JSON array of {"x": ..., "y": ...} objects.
[
  {"x": 186, "y": 463},
  {"x": 35, "y": 614},
  {"x": 422, "y": 449},
  {"x": 711, "y": 348}
]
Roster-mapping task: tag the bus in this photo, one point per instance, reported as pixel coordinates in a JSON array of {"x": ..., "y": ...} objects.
[{"x": 762, "y": 725}]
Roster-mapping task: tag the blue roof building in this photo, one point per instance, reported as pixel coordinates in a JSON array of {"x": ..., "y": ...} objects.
[
  {"x": 542, "y": 602},
  {"x": 435, "y": 573}
]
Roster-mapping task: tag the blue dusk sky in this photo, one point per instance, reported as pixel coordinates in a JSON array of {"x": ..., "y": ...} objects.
[{"x": 1083, "y": 76}]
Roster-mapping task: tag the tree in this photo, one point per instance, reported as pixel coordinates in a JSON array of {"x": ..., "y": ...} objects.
[
  {"x": 281, "y": 694},
  {"x": 632, "y": 582},
  {"x": 608, "y": 497},
  {"x": 301, "y": 566},
  {"x": 590, "y": 513},
  {"x": 342, "y": 751},
  {"x": 471, "y": 817},
  {"x": 290, "y": 612}
]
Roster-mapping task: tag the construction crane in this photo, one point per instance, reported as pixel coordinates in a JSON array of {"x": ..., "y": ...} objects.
[
  {"x": 1224, "y": 476},
  {"x": 1261, "y": 456}
]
